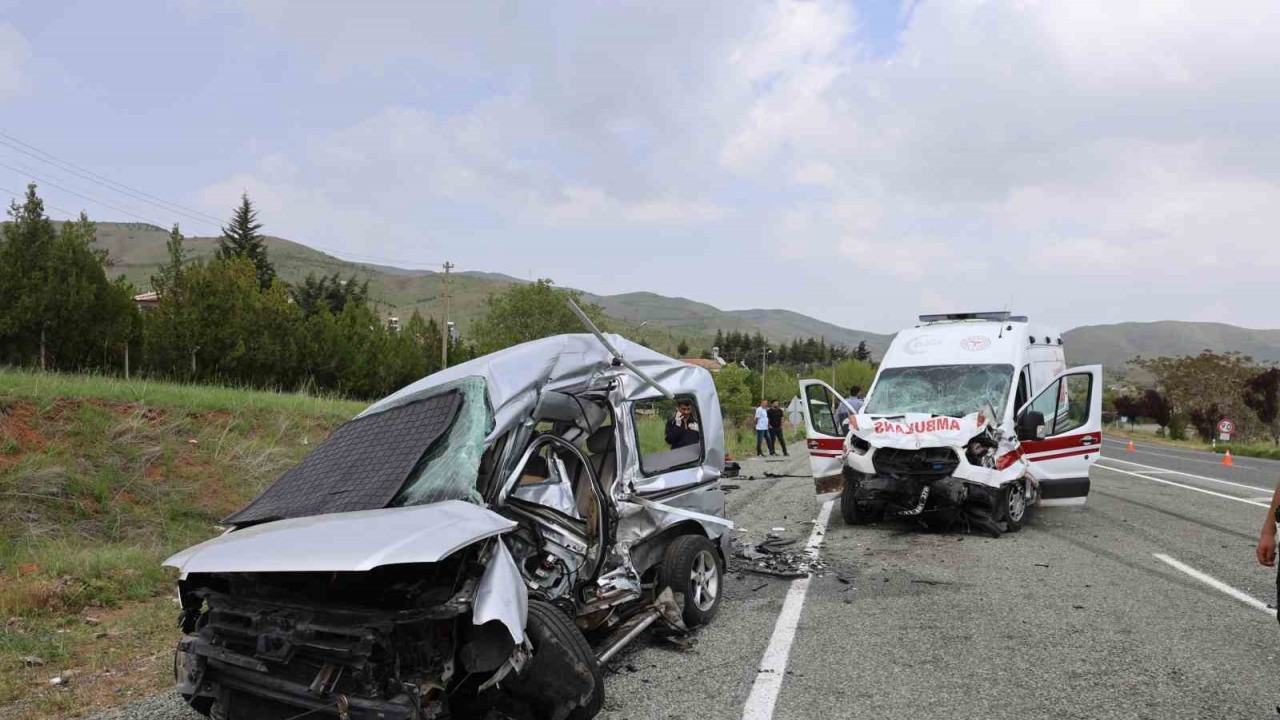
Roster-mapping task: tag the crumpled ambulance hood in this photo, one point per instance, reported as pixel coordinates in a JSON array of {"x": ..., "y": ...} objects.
[{"x": 913, "y": 431}]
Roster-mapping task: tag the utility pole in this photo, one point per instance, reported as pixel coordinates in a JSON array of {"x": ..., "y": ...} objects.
[
  {"x": 764, "y": 368},
  {"x": 444, "y": 326}
]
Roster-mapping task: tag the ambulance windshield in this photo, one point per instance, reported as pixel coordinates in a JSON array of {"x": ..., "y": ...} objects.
[{"x": 954, "y": 390}]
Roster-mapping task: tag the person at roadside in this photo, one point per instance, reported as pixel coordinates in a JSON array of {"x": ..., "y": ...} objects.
[
  {"x": 762, "y": 429},
  {"x": 849, "y": 406},
  {"x": 683, "y": 429},
  {"x": 775, "y": 428},
  {"x": 1267, "y": 541}
]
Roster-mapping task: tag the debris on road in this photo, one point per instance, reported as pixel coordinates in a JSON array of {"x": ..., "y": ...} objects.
[{"x": 772, "y": 558}]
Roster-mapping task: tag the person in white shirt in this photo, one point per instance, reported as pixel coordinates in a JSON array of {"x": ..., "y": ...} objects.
[{"x": 762, "y": 428}]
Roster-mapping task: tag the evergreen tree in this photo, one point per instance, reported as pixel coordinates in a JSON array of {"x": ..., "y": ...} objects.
[
  {"x": 241, "y": 239},
  {"x": 862, "y": 353},
  {"x": 682, "y": 349},
  {"x": 57, "y": 309},
  {"x": 329, "y": 290}
]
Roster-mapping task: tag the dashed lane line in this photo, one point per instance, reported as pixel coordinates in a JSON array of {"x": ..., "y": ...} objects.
[
  {"x": 1164, "y": 471},
  {"x": 1217, "y": 584},
  {"x": 1162, "y": 481}
]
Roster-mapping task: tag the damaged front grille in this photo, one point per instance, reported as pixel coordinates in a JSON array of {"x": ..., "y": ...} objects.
[
  {"x": 925, "y": 464},
  {"x": 326, "y": 649}
]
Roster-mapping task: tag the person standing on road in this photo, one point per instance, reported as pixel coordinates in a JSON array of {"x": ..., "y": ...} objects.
[
  {"x": 849, "y": 406},
  {"x": 762, "y": 429},
  {"x": 1267, "y": 541},
  {"x": 775, "y": 429}
]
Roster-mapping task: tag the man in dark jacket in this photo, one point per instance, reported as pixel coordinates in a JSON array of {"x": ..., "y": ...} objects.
[
  {"x": 683, "y": 429},
  {"x": 775, "y": 426}
]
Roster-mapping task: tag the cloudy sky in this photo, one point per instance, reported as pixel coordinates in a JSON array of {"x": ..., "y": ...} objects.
[{"x": 1084, "y": 161}]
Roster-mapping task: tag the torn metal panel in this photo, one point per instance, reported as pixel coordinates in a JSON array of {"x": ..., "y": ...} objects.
[
  {"x": 501, "y": 594},
  {"x": 571, "y": 364}
]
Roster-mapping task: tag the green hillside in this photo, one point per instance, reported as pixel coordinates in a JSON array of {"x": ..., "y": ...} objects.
[
  {"x": 138, "y": 250},
  {"x": 1114, "y": 345}
]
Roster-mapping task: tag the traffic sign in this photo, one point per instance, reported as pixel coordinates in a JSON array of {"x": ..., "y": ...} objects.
[{"x": 1226, "y": 429}]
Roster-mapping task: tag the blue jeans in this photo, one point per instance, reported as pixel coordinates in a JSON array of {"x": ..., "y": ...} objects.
[{"x": 764, "y": 436}]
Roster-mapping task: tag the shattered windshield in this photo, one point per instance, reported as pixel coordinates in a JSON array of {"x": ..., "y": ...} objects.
[
  {"x": 954, "y": 390},
  {"x": 449, "y": 469}
]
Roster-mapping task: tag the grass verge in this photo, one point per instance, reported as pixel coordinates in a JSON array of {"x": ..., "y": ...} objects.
[{"x": 100, "y": 480}]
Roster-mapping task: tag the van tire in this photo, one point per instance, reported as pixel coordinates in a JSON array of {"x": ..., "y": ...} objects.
[
  {"x": 549, "y": 628},
  {"x": 1013, "y": 506},
  {"x": 684, "y": 555}
]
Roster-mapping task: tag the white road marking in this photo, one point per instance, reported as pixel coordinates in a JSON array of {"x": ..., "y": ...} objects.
[
  {"x": 1179, "y": 456},
  {"x": 1179, "y": 472},
  {"x": 1217, "y": 584},
  {"x": 773, "y": 667},
  {"x": 1185, "y": 487},
  {"x": 1061, "y": 502}
]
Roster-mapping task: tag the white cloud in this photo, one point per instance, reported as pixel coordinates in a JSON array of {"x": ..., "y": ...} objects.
[
  {"x": 14, "y": 55},
  {"x": 1013, "y": 145}
]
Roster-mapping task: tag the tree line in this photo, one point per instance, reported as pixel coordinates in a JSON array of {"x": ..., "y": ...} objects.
[
  {"x": 754, "y": 350},
  {"x": 229, "y": 319},
  {"x": 1195, "y": 392},
  {"x": 232, "y": 320}
]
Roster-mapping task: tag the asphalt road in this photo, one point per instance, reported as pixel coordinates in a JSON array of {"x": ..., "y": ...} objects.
[{"x": 1073, "y": 617}]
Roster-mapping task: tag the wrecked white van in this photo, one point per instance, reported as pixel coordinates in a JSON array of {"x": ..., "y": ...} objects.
[
  {"x": 972, "y": 419},
  {"x": 448, "y": 552}
]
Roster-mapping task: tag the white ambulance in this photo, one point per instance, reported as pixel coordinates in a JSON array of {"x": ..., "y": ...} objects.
[{"x": 973, "y": 418}]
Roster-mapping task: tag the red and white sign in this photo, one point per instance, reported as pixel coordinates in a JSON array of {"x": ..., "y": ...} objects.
[{"x": 1226, "y": 429}]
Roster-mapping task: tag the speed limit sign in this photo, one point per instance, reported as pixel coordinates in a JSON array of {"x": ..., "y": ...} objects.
[{"x": 1226, "y": 429}]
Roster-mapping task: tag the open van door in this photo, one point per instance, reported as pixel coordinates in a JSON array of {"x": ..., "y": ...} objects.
[
  {"x": 822, "y": 436},
  {"x": 1061, "y": 453}
]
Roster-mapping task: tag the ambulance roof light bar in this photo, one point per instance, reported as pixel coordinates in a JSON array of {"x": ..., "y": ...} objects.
[{"x": 1002, "y": 316}]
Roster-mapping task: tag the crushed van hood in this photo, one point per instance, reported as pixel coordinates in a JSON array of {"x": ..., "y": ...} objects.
[
  {"x": 913, "y": 431},
  {"x": 353, "y": 541}
]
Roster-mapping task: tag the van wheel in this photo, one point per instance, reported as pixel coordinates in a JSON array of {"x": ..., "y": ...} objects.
[
  {"x": 562, "y": 670},
  {"x": 1013, "y": 506},
  {"x": 694, "y": 571}
]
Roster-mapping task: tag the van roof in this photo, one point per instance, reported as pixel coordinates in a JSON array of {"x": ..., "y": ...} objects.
[{"x": 968, "y": 342}]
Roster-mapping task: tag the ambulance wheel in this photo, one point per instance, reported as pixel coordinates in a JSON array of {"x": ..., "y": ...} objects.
[
  {"x": 1013, "y": 506},
  {"x": 853, "y": 512}
]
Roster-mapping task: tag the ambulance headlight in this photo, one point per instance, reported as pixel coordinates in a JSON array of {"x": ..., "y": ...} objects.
[{"x": 858, "y": 446}]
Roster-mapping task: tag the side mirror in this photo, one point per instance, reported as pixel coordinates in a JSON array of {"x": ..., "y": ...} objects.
[{"x": 1031, "y": 425}]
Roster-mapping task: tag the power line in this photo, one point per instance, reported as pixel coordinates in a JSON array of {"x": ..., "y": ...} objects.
[
  {"x": 20, "y": 196},
  {"x": 82, "y": 195},
  {"x": 143, "y": 196},
  {"x": 46, "y": 157}
]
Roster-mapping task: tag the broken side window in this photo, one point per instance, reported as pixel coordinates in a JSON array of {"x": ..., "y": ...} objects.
[{"x": 668, "y": 434}]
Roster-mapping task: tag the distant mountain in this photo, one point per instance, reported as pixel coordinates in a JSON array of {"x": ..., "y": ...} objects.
[
  {"x": 138, "y": 250},
  {"x": 786, "y": 325},
  {"x": 1115, "y": 345}
]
